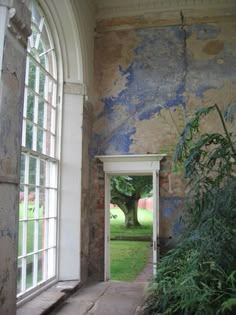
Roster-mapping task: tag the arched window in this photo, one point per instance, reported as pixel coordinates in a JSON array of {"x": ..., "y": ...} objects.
[{"x": 37, "y": 242}]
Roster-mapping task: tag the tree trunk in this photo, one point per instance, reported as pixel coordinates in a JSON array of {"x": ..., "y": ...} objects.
[
  {"x": 130, "y": 210},
  {"x": 131, "y": 217},
  {"x": 129, "y": 205}
]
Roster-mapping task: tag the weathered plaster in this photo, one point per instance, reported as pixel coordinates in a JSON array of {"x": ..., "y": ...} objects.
[
  {"x": 11, "y": 107},
  {"x": 166, "y": 73},
  {"x": 148, "y": 89}
]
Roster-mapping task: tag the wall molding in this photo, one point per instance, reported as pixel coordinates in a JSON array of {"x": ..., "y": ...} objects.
[
  {"x": 75, "y": 88},
  {"x": 119, "y": 8}
]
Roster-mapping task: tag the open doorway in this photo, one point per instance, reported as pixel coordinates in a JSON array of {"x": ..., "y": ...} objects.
[
  {"x": 140, "y": 165},
  {"x": 131, "y": 224}
]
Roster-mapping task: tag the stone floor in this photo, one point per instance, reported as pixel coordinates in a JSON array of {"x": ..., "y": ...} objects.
[
  {"x": 105, "y": 298},
  {"x": 109, "y": 298}
]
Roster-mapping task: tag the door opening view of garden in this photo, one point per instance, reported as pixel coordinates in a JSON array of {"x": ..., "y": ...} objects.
[{"x": 131, "y": 227}]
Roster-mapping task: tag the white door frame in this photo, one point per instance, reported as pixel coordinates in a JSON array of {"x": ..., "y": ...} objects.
[{"x": 119, "y": 165}]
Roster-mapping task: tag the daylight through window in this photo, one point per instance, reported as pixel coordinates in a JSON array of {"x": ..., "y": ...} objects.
[{"x": 37, "y": 247}]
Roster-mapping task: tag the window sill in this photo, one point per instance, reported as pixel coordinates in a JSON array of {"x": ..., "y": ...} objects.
[{"x": 49, "y": 299}]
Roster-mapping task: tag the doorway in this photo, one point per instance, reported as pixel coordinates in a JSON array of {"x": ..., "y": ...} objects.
[
  {"x": 141, "y": 165},
  {"x": 131, "y": 223}
]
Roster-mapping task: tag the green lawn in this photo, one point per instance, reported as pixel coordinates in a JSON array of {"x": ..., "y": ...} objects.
[
  {"x": 128, "y": 258},
  {"x": 117, "y": 226},
  {"x": 30, "y": 229}
]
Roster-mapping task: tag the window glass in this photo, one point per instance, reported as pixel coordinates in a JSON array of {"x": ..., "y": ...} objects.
[{"x": 37, "y": 247}]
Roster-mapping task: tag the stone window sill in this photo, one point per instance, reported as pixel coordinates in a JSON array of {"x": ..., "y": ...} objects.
[{"x": 49, "y": 299}]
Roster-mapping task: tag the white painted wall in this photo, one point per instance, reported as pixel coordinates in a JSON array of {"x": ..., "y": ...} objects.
[{"x": 70, "y": 201}]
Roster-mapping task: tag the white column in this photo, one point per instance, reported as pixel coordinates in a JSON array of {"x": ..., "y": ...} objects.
[
  {"x": 156, "y": 219},
  {"x": 70, "y": 187},
  {"x": 107, "y": 228}
]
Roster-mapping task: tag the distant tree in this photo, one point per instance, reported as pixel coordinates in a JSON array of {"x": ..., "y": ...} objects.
[{"x": 126, "y": 192}]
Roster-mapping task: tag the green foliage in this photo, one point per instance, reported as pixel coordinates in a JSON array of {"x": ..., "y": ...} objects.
[
  {"x": 132, "y": 185},
  {"x": 198, "y": 276},
  {"x": 125, "y": 193}
]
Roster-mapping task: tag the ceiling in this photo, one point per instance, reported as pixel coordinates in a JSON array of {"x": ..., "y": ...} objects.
[{"x": 118, "y": 8}]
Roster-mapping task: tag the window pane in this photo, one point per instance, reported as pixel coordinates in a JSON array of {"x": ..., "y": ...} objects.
[
  {"x": 41, "y": 113},
  {"x": 30, "y": 105},
  {"x": 32, "y": 171},
  {"x": 41, "y": 203},
  {"x": 36, "y": 17},
  {"x": 30, "y": 237},
  {"x": 32, "y": 75},
  {"x": 53, "y": 121},
  {"x": 53, "y": 142},
  {"x": 42, "y": 83},
  {"x": 29, "y": 135},
  {"x": 29, "y": 272},
  {"x": 40, "y": 235},
  {"x": 40, "y": 267},
  {"x": 22, "y": 170},
  {"x": 53, "y": 175},
  {"x": 40, "y": 140},
  {"x": 42, "y": 172},
  {"x": 51, "y": 232}
]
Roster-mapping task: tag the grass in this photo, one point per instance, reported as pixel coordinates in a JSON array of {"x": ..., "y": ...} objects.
[
  {"x": 128, "y": 258},
  {"x": 30, "y": 229},
  {"x": 117, "y": 226},
  {"x": 30, "y": 245}
]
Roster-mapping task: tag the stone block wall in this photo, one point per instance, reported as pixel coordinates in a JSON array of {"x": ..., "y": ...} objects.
[
  {"x": 85, "y": 191},
  {"x": 97, "y": 221}
]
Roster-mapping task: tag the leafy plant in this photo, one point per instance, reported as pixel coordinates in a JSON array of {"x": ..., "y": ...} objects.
[{"x": 198, "y": 276}]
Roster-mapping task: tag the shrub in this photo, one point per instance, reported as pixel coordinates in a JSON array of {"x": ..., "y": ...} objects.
[{"x": 199, "y": 276}]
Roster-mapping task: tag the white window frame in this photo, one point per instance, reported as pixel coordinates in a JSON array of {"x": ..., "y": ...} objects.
[{"x": 51, "y": 165}]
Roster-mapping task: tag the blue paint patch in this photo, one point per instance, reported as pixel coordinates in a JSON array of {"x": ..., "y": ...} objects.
[
  {"x": 121, "y": 142},
  {"x": 155, "y": 72},
  {"x": 161, "y": 72},
  {"x": 169, "y": 205},
  {"x": 168, "y": 212}
]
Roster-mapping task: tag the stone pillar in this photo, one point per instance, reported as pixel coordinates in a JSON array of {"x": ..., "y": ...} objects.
[{"x": 14, "y": 31}]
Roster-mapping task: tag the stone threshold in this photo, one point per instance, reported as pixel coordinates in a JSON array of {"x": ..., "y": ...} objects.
[{"x": 48, "y": 300}]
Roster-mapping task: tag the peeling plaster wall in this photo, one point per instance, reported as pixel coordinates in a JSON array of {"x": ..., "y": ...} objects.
[
  {"x": 13, "y": 40},
  {"x": 149, "y": 80}
]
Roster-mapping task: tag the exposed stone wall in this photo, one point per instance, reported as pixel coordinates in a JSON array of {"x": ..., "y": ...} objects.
[
  {"x": 97, "y": 221},
  {"x": 149, "y": 79},
  {"x": 13, "y": 41},
  {"x": 86, "y": 191}
]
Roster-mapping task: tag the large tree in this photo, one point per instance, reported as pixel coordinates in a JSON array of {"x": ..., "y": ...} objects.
[{"x": 126, "y": 192}]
